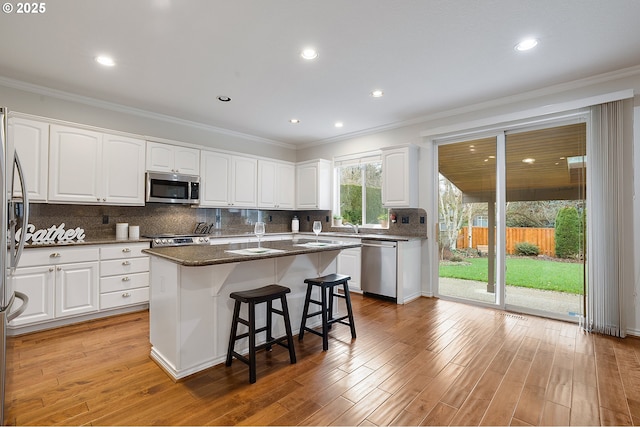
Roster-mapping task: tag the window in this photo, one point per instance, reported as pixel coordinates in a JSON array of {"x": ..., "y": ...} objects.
[
  {"x": 359, "y": 190},
  {"x": 481, "y": 221}
]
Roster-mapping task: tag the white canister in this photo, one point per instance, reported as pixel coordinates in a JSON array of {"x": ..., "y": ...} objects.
[
  {"x": 122, "y": 231},
  {"x": 134, "y": 232},
  {"x": 295, "y": 224}
]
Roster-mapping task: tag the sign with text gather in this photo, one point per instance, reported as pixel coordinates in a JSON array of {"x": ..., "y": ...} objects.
[{"x": 55, "y": 233}]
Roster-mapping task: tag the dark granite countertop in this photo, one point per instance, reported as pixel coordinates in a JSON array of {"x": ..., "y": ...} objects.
[{"x": 201, "y": 255}]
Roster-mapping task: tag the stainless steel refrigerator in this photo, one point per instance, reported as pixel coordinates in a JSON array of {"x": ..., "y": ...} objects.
[{"x": 15, "y": 210}]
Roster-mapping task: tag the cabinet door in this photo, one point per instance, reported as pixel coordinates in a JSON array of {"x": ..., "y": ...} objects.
[
  {"x": 244, "y": 176},
  {"x": 123, "y": 170},
  {"x": 75, "y": 172},
  {"x": 31, "y": 141},
  {"x": 307, "y": 186},
  {"x": 349, "y": 263},
  {"x": 186, "y": 160},
  {"x": 214, "y": 180},
  {"x": 38, "y": 284},
  {"x": 313, "y": 185},
  {"x": 285, "y": 186},
  {"x": 267, "y": 184},
  {"x": 400, "y": 178},
  {"x": 76, "y": 289},
  {"x": 159, "y": 157}
]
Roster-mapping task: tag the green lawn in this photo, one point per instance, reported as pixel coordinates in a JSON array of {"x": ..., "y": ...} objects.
[{"x": 524, "y": 272}]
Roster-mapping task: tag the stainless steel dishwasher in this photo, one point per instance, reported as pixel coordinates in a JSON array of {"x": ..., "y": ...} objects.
[{"x": 379, "y": 268}]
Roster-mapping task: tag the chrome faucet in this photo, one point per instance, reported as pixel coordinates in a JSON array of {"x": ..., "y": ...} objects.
[{"x": 353, "y": 226}]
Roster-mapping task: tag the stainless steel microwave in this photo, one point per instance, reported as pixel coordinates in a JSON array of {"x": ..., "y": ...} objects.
[{"x": 173, "y": 188}]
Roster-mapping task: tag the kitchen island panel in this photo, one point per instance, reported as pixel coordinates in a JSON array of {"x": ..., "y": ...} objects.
[{"x": 191, "y": 311}]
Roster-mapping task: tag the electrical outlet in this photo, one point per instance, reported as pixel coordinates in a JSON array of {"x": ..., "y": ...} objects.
[
  {"x": 326, "y": 218},
  {"x": 308, "y": 218},
  {"x": 405, "y": 220},
  {"x": 105, "y": 219},
  {"x": 421, "y": 220},
  {"x": 270, "y": 218}
]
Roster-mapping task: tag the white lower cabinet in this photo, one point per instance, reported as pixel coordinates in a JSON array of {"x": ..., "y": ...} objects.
[
  {"x": 60, "y": 282},
  {"x": 70, "y": 284},
  {"x": 349, "y": 261},
  {"x": 124, "y": 275},
  {"x": 76, "y": 289}
]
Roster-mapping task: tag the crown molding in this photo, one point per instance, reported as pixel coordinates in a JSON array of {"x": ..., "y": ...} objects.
[{"x": 112, "y": 106}]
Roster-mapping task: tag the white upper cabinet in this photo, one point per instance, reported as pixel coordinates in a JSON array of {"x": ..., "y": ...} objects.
[
  {"x": 93, "y": 168},
  {"x": 75, "y": 167},
  {"x": 228, "y": 181},
  {"x": 400, "y": 177},
  {"x": 276, "y": 185},
  {"x": 30, "y": 139},
  {"x": 313, "y": 185},
  {"x": 172, "y": 158},
  {"x": 123, "y": 170}
]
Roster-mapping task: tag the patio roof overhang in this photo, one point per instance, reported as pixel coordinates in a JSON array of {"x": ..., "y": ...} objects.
[{"x": 557, "y": 171}]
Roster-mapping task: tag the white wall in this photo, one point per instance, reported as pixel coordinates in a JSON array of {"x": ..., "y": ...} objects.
[{"x": 129, "y": 120}]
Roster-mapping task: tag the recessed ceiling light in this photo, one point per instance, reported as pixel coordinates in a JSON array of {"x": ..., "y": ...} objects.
[
  {"x": 309, "y": 53},
  {"x": 294, "y": 121},
  {"x": 526, "y": 44},
  {"x": 339, "y": 124},
  {"x": 529, "y": 160},
  {"x": 107, "y": 61},
  {"x": 377, "y": 93},
  {"x": 223, "y": 98}
]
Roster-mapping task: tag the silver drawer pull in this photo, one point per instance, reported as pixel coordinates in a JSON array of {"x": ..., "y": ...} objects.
[
  {"x": 126, "y": 279},
  {"x": 55, "y": 255},
  {"x": 126, "y": 250},
  {"x": 126, "y": 263},
  {"x": 126, "y": 295}
]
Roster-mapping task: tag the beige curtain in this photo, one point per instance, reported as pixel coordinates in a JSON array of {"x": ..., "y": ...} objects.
[{"x": 605, "y": 216}]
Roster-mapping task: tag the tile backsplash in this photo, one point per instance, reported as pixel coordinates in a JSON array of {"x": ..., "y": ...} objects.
[{"x": 99, "y": 222}]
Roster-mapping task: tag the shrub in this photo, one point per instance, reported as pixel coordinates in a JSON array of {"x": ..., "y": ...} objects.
[
  {"x": 567, "y": 232},
  {"x": 527, "y": 249}
]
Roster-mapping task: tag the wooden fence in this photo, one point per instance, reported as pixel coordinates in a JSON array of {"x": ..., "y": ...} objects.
[{"x": 543, "y": 238}]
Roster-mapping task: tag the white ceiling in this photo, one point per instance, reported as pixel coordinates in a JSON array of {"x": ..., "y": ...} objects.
[{"x": 174, "y": 57}]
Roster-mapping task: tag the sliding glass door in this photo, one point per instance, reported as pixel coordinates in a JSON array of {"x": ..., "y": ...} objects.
[
  {"x": 512, "y": 219},
  {"x": 466, "y": 202}
]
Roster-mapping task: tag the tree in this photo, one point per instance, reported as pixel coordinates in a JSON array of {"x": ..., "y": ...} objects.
[
  {"x": 452, "y": 212},
  {"x": 568, "y": 232}
]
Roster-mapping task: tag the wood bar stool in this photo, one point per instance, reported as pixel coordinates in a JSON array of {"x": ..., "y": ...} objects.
[
  {"x": 252, "y": 297},
  {"x": 326, "y": 284}
]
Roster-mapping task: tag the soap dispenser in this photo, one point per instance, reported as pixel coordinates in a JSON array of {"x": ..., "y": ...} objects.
[{"x": 295, "y": 224}]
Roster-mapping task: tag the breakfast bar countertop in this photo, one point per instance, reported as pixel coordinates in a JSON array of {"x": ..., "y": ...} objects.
[{"x": 201, "y": 255}]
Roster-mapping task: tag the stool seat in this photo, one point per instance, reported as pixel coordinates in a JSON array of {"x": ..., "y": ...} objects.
[
  {"x": 263, "y": 294},
  {"x": 266, "y": 294},
  {"x": 326, "y": 285},
  {"x": 329, "y": 280}
]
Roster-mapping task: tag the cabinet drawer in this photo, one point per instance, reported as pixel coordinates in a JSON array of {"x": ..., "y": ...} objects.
[
  {"x": 123, "y": 250},
  {"x": 124, "y": 266},
  {"x": 122, "y": 298},
  {"x": 123, "y": 283},
  {"x": 56, "y": 255}
]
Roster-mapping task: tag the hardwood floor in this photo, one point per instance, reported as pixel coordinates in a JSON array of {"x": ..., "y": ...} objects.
[{"x": 430, "y": 362}]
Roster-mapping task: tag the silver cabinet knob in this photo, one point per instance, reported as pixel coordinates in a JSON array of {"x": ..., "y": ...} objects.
[
  {"x": 59, "y": 268},
  {"x": 126, "y": 263},
  {"x": 126, "y": 250},
  {"x": 126, "y": 295},
  {"x": 125, "y": 279},
  {"x": 51, "y": 269},
  {"x": 55, "y": 255}
]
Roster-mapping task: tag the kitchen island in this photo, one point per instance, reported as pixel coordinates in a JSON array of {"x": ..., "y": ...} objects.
[{"x": 190, "y": 309}]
